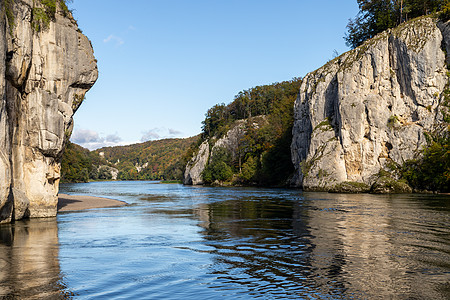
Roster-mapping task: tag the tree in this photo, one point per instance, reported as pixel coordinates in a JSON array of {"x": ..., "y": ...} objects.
[
  {"x": 249, "y": 169},
  {"x": 219, "y": 167},
  {"x": 215, "y": 118},
  {"x": 375, "y": 16}
]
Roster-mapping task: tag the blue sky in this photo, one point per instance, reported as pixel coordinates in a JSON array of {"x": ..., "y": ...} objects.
[{"x": 163, "y": 63}]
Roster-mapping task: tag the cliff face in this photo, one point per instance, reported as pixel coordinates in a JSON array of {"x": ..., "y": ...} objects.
[
  {"x": 195, "y": 167},
  {"x": 45, "y": 73},
  {"x": 198, "y": 163},
  {"x": 370, "y": 107}
]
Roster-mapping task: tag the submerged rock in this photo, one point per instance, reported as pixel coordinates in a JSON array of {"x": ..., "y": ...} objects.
[
  {"x": 370, "y": 107},
  {"x": 46, "y": 70}
]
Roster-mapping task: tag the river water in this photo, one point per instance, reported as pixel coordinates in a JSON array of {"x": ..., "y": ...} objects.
[{"x": 184, "y": 242}]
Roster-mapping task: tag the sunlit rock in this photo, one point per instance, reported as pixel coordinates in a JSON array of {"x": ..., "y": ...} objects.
[
  {"x": 371, "y": 107},
  {"x": 46, "y": 71}
]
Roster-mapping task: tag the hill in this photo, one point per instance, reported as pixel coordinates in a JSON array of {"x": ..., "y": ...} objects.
[
  {"x": 153, "y": 160},
  {"x": 249, "y": 138},
  {"x": 81, "y": 165}
]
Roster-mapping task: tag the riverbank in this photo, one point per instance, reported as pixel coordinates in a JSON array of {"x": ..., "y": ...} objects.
[{"x": 77, "y": 202}]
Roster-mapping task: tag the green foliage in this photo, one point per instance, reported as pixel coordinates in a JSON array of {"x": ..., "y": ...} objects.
[
  {"x": 249, "y": 169},
  {"x": 376, "y": 16},
  {"x": 219, "y": 167},
  {"x": 46, "y": 13},
  {"x": 103, "y": 173},
  {"x": 157, "y": 160},
  {"x": 265, "y": 147},
  {"x": 445, "y": 13},
  {"x": 79, "y": 164},
  {"x": 432, "y": 170},
  {"x": 8, "y": 7},
  {"x": 392, "y": 121},
  {"x": 260, "y": 100}
]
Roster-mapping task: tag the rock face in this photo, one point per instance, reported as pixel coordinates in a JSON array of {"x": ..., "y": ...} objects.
[
  {"x": 195, "y": 167},
  {"x": 231, "y": 141},
  {"x": 370, "y": 107},
  {"x": 45, "y": 73}
]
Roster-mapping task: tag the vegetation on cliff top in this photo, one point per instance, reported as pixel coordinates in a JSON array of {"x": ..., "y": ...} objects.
[
  {"x": 46, "y": 13},
  {"x": 264, "y": 156},
  {"x": 376, "y": 16},
  {"x": 43, "y": 12}
]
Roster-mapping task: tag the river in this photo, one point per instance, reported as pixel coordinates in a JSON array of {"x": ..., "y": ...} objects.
[{"x": 183, "y": 242}]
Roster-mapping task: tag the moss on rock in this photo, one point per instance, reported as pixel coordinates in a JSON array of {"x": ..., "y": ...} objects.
[
  {"x": 388, "y": 185},
  {"x": 350, "y": 187}
]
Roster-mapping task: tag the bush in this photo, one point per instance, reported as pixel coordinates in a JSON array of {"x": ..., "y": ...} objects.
[
  {"x": 219, "y": 167},
  {"x": 249, "y": 169}
]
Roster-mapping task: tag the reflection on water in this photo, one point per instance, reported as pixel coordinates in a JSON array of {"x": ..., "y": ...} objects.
[
  {"x": 29, "y": 266},
  {"x": 380, "y": 246},
  {"x": 177, "y": 242},
  {"x": 351, "y": 246},
  {"x": 258, "y": 243}
]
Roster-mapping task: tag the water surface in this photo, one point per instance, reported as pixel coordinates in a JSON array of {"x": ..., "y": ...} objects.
[{"x": 179, "y": 242}]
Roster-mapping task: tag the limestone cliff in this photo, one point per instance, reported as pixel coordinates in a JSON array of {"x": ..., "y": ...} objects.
[
  {"x": 195, "y": 167},
  {"x": 371, "y": 106},
  {"x": 47, "y": 66},
  {"x": 230, "y": 141}
]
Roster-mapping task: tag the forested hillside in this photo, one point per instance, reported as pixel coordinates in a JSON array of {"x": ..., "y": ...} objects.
[
  {"x": 81, "y": 165},
  {"x": 152, "y": 160},
  {"x": 263, "y": 154}
]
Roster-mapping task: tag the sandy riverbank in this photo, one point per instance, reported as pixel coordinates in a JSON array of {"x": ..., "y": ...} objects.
[{"x": 74, "y": 202}]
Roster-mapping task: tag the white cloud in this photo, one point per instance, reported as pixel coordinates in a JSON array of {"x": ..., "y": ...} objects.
[
  {"x": 159, "y": 133},
  {"x": 92, "y": 140},
  {"x": 113, "y": 38},
  {"x": 174, "y": 132},
  {"x": 113, "y": 138},
  {"x": 84, "y": 136},
  {"x": 150, "y": 135}
]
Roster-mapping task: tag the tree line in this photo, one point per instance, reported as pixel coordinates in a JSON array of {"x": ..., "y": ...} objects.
[
  {"x": 81, "y": 165},
  {"x": 153, "y": 160},
  {"x": 376, "y": 16},
  {"x": 263, "y": 156}
]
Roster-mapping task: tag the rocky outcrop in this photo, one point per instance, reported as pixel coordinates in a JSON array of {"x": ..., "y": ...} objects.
[
  {"x": 370, "y": 107},
  {"x": 230, "y": 141},
  {"x": 47, "y": 66},
  {"x": 195, "y": 167},
  {"x": 107, "y": 172}
]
